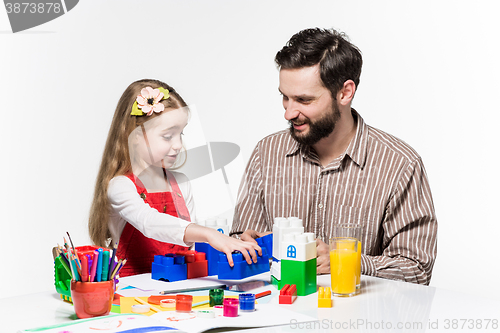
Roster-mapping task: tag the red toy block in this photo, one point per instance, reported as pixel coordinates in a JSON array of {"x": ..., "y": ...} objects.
[
  {"x": 188, "y": 255},
  {"x": 197, "y": 266},
  {"x": 288, "y": 294}
]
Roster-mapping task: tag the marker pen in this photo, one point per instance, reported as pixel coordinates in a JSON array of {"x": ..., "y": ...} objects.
[
  {"x": 98, "y": 273},
  {"x": 94, "y": 266},
  {"x": 105, "y": 265}
]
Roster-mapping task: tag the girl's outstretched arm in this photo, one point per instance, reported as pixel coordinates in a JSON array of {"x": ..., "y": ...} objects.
[{"x": 223, "y": 243}]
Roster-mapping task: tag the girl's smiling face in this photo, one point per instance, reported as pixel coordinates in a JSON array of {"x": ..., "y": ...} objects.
[{"x": 164, "y": 136}]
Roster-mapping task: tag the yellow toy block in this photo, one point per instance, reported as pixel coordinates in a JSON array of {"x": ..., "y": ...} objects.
[{"x": 324, "y": 297}]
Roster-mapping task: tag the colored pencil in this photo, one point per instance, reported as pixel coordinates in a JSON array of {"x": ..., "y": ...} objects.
[
  {"x": 118, "y": 268},
  {"x": 221, "y": 286},
  {"x": 76, "y": 276},
  {"x": 262, "y": 294},
  {"x": 112, "y": 262},
  {"x": 118, "y": 264},
  {"x": 64, "y": 262},
  {"x": 66, "y": 244},
  {"x": 78, "y": 269},
  {"x": 74, "y": 248},
  {"x": 61, "y": 254}
]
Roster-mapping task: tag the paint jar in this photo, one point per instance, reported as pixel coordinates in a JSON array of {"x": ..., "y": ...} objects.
[
  {"x": 183, "y": 303},
  {"x": 219, "y": 310},
  {"x": 168, "y": 303},
  {"x": 92, "y": 299},
  {"x": 247, "y": 302},
  {"x": 216, "y": 296},
  {"x": 230, "y": 307}
]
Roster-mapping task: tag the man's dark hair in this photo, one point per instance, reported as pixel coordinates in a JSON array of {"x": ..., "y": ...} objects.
[{"x": 338, "y": 59}]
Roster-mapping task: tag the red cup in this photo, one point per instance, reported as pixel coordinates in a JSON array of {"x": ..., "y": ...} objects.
[{"x": 92, "y": 299}]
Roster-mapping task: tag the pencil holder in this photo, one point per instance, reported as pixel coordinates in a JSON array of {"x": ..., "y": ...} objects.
[{"x": 92, "y": 299}]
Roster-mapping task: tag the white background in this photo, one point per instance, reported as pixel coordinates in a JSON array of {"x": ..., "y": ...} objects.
[{"x": 430, "y": 77}]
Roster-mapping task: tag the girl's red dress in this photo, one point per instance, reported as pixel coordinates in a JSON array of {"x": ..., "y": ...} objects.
[{"x": 137, "y": 248}]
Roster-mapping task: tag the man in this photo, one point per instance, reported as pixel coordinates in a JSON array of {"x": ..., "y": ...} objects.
[{"x": 330, "y": 167}]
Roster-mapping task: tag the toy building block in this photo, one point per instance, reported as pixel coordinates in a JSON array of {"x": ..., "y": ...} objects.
[
  {"x": 276, "y": 283},
  {"x": 281, "y": 227},
  {"x": 300, "y": 273},
  {"x": 299, "y": 247},
  {"x": 197, "y": 266},
  {"x": 169, "y": 267},
  {"x": 324, "y": 297},
  {"x": 180, "y": 266},
  {"x": 288, "y": 294},
  {"x": 219, "y": 224},
  {"x": 276, "y": 270},
  {"x": 212, "y": 257},
  {"x": 267, "y": 242},
  {"x": 241, "y": 269}
]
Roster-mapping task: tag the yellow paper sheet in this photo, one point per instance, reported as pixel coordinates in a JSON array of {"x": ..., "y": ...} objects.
[{"x": 127, "y": 302}]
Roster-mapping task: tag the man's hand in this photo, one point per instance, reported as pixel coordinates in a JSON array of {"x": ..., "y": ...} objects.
[
  {"x": 323, "y": 257},
  {"x": 250, "y": 235}
]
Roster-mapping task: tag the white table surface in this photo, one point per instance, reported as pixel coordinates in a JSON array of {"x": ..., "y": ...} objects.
[{"x": 382, "y": 306}]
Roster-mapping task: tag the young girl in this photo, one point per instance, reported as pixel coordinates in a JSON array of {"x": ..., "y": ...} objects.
[{"x": 138, "y": 202}]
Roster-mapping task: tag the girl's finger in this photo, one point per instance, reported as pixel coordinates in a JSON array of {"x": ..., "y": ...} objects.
[{"x": 229, "y": 256}]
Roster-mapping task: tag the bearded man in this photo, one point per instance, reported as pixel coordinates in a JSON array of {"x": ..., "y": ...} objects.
[{"x": 330, "y": 167}]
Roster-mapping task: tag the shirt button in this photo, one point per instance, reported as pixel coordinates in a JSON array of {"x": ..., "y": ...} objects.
[
  {"x": 320, "y": 205},
  {"x": 164, "y": 209},
  {"x": 143, "y": 196}
]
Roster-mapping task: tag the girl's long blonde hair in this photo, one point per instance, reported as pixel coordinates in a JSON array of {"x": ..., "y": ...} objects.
[{"x": 116, "y": 158}]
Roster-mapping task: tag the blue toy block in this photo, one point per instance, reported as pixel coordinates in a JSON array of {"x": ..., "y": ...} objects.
[
  {"x": 241, "y": 269},
  {"x": 267, "y": 242},
  {"x": 169, "y": 267},
  {"x": 212, "y": 256}
]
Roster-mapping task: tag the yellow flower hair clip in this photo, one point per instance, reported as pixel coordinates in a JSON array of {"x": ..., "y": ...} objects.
[{"x": 149, "y": 101}]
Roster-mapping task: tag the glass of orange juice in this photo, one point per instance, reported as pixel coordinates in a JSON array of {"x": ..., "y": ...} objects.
[
  {"x": 351, "y": 230},
  {"x": 343, "y": 265}
]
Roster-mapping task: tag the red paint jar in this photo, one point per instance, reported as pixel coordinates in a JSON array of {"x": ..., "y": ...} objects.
[{"x": 183, "y": 303}]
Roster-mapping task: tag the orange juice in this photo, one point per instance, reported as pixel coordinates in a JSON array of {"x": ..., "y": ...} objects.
[{"x": 343, "y": 266}]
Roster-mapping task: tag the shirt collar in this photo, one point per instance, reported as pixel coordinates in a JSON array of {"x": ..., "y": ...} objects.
[
  {"x": 359, "y": 144},
  {"x": 356, "y": 149}
]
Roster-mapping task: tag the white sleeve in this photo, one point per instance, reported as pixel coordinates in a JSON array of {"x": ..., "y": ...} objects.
[{"x": 127, "y": 203}]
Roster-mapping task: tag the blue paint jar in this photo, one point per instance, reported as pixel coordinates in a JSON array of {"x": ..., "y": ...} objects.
[{"x": 247, "y": 302}]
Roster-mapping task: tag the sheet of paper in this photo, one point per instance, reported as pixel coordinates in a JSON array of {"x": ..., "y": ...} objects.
[
  {"x": 264, "y": 315},
  {"x": 108, "y": 324},
  {"x": 127, "y": 302}
]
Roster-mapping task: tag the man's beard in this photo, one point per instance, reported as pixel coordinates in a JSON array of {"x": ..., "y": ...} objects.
[{"x": 318, "y": 129}]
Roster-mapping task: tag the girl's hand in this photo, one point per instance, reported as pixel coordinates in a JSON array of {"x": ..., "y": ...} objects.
[
  {"x": 228, "y": 245},
  {"x": 223, "y": 243}
]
